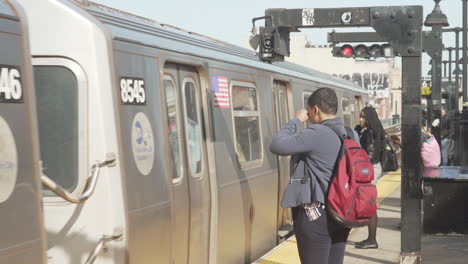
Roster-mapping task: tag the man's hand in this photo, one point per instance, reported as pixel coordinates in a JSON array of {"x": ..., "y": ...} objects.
[{"x": 302, "y": 115}]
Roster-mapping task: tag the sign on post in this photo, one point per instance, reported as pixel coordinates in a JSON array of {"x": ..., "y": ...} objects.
[{"x": 426, "y": 88}]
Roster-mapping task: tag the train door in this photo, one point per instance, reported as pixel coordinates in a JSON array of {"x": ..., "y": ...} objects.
[
  {"x": 146, "y": 184},
  {"x": 189, "y": 164},
  {"x": 281, "y": 101},
  {"x": 21, "y": 226}
]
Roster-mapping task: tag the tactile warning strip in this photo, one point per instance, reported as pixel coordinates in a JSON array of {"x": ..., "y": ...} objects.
[{"x": 285, "y": 253}]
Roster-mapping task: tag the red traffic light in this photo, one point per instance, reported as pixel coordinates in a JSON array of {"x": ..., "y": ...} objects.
[
  {"x": 347, "y": 51},
  {"x": 363, "y": 51}
]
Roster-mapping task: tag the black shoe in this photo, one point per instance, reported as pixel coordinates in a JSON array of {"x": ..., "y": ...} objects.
[{"x": 366, "y": 244}]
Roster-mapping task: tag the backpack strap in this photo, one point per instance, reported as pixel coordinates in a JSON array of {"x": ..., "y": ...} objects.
[
  {"x": 335, "y": 129},
  {"x": 340, "y": 153},
  {"x": 350, "y": 133}
]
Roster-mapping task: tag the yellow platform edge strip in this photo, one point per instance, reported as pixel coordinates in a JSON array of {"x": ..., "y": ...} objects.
[{"x": 286, "y": 252}]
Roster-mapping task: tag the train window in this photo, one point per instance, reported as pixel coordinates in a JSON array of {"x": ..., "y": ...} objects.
[
  {"x": 57, "y": 110},
  {"x": 306, "y": 96},
  {"x": 193, "y": 131},
  {"x": 174, "y": 128},
  {"x": 246, "y": 123},
  {"x": 346, "y": 109},
  {"x": 283, "y": 108}
]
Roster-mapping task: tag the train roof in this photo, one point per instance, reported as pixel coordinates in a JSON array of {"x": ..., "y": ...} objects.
[
  {"x": 6, "y": 10},
  {"x": 123, "y": 25}
]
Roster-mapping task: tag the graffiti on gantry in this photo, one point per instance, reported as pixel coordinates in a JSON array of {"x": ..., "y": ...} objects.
[{"x": 376, "y": 84}]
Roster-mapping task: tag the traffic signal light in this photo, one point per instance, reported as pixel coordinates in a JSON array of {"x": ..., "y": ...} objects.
[
  {"x": 267, "y": 46},
  {"x": 363, "y": 51},
  {"x": 273, "y": 43}
]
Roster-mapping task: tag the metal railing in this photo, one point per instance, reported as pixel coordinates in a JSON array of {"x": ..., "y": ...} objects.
[
  {"x": 118, "y": 233},
  {"x": 391, "y": 122},
  {"x": 89, "y": 190}
]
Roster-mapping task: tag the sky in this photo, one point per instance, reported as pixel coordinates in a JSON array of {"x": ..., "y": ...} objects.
[{"x": 231, "y": 21}]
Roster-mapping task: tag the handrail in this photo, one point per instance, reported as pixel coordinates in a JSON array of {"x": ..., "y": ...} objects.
[
  {"x": 52, "y": 185},
  {"x": 118, "y": 233},
  {"x": 393, "y": 126}
]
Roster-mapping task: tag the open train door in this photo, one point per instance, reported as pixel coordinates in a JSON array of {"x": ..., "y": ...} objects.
[{"x": 21, "y": 228}]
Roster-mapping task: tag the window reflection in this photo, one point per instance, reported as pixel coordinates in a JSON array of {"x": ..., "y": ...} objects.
[
  {"x": 246, "y": 122},
  {"x": 57, "y": 112},
  {"x": 306, "y": 106},
  {"x": 346, "y": 109},
  {"x": 193, "y": 128},
  {"x": 173, "y": 125},
  {"x": 244, "y": 98}
]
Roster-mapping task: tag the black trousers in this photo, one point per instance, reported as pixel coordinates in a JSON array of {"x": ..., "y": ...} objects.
[{"x": 321, "y": 241}]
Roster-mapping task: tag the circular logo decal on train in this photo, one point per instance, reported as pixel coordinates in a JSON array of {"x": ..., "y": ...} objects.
[
  {"x": 142, "y": 143},
  {"x": 8, "y": 161}
]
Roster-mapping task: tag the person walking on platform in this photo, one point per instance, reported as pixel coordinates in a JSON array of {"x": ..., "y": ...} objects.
[
  {"x": 372, "y": 139},
  {"x": 314, "y": 150}
]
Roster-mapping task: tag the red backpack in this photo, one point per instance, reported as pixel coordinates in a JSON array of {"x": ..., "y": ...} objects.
[{"x": 351, "y": 198}]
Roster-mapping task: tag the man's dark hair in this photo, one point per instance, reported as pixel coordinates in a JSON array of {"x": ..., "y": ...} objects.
[{"x": 325, "y": 99}]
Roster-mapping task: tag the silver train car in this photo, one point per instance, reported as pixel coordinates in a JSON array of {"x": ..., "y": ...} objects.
[
  {"x": 22, "y": 237},
  {"x": 151, "y": 142}
]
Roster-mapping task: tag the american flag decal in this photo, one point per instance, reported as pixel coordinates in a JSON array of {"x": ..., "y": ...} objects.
[{"x": 221, "y": 96}]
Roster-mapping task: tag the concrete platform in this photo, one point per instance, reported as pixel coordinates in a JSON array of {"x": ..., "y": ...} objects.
[
  {"x": 388, "y": 233},
  {"x": 440, "y": 249}
]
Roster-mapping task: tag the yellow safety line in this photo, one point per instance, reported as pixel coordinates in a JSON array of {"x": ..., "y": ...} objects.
[
  {"x": 286, "y": 252},
  {"x": 387, "y": 184}
]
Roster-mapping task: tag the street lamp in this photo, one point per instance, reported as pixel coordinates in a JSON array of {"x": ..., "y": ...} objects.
[
  {"x": 437, "y": 17},
  {"x": 456, "y": 71}
]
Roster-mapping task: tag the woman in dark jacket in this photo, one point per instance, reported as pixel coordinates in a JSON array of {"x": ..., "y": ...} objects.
[{"x": 372, "y": 138}]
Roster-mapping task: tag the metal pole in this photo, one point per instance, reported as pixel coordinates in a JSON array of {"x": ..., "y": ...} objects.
[
  {"x": 411, "y": 227},
  {"x": 445, "y": 68},
  {"x": 456, "y": 114},
  {"x": 452, "y": 94},
  {"x": 450, "y": 64},
  {"x": 465, "y": 60},
  {"x": 436, "y": 93},
  {"x": 457, "y": 66}
]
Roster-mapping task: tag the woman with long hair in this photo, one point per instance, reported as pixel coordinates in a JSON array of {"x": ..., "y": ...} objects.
[{"x": 372, "y": 139}]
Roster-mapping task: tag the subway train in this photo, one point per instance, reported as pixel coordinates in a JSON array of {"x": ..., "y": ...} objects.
[{"x": 125, "y": 140}]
